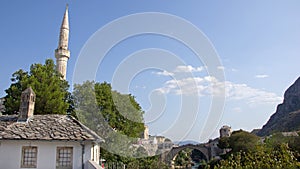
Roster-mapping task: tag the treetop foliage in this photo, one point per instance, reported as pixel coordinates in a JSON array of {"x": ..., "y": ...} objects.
[
  {"x": 249, "y": 151},
  {"x": 279, "y": 157},
  {"x": 97, "y": 101},
  {"x": 240, "y": 141},
  {"x": 115, "y": 117},
  {"x": 52, "y": 96}
]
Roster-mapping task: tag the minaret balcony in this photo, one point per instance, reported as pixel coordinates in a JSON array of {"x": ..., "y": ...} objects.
[{"x": 62, "y": 53}]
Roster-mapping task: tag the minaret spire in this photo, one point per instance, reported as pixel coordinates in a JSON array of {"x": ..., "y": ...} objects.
[{"x": 62, "y": 52}]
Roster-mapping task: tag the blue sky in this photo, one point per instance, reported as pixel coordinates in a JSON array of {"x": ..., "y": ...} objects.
[{"x": 257, "y": 43}]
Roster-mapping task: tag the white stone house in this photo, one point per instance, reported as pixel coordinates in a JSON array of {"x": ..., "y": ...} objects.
[{"x": 46, "y": 141}]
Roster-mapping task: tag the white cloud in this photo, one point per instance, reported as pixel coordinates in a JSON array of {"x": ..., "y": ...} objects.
[
  {"x": 221, "y": 67},
  {"x": 188, "y": 68},
  {"x": 261, "y": 76},
  {"x": 252, "y": 95},
  {"x": 180, "y": 69},
  {"x": 142, "y": 87},
  {"x": 209, "y": 85},
  {"x": 187, "y": 86},
  {"x": 164, "y": 73},
  {"x": 237, "y": 109},
  {"x": 234, "y": 70}
]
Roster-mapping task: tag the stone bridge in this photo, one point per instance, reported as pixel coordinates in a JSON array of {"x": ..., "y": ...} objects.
[{"x": 169, "y": 157}]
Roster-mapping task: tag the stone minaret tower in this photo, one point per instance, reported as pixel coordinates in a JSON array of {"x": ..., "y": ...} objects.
[
  {"x": 225, "y": 131},
  {"x": 145, "y": 133},
  {"x": 27, "y": 104},
  {"x": 62, "y": 53}
]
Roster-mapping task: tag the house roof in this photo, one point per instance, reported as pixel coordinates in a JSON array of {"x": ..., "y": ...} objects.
[{"x": 45, "y": 127}]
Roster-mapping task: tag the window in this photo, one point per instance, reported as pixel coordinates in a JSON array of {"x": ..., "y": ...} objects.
[
  {"x": 64, "y": 157},
  {"x": 29, "y": 157}
]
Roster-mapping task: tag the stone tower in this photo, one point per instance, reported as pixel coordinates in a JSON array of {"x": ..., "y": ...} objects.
[
  {"x": 145, "y": 133},
  {"x": 27, "y": 104},
  {"x": 225, "y": 131},
  {"x": 62, "y": 52}
]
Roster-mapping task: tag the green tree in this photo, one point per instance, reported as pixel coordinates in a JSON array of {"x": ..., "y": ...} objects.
[
  {"x": 97, "y": 103},
  {"x": 277, "y": 139},
  {"x": 121, "y": 111},
  {"x": 116, "y": 117},
  {"x": 146, "y": 163},
  {"x": 242, "y": 141},
  {"x": 279, "y": 157},
  {"x": 86, "y": 107},
  {"x": 13, "y": 96},
  {"x": 224, "y": 143},
  {"x": 52, "y": 96},
  {"x": 183, "y": 158},
  {"x": 247, "y": 152}
]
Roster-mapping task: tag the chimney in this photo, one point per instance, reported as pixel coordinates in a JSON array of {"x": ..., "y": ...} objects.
[{"x": 26, "y": 105}]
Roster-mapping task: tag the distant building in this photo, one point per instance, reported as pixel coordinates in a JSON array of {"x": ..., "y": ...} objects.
[
  {"x": 225, "y": 131},
  {"x": 167, "y": 144},
  {"x": 152, "y": 140},
  {"x": 155, "y": 144},
  {"x": 145, "y": 133},
  {"x": 160, "y": 139}
]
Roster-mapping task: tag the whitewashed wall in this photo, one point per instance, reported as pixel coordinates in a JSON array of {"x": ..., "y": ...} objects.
[{"x": 11, "y": 151}]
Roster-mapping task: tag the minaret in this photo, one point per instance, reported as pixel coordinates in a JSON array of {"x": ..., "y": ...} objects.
[{"x": 62, "y": 53}]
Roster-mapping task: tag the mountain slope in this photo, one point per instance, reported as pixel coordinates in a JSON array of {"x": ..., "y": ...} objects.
[{"x": 287, "y": 115}]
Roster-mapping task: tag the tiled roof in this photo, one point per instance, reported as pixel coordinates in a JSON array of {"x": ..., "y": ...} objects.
[{"x": 45, "y": 127}]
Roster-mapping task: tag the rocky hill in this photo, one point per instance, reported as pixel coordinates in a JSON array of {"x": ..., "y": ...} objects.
[{"x": 287, "y": 115}]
